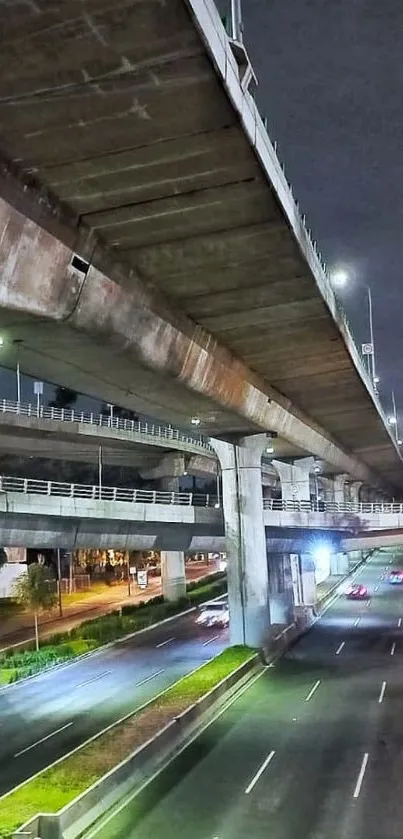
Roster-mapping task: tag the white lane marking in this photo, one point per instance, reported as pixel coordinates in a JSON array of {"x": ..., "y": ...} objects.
[
  {"x": 312, "y": 690},
  {"x": 148, "y": 678},
  {"x": 392, "y": 651},
  {"x": 260, "y": 771},
  {"x": 382, "y": 693},
  {"x": 94, "y": 679},
  {"x": 361, "y": 775},
  {"x": 126, "y": 801},
  {"x": 210, "y": 640},
  {"x": 368, "y": 603},
  {"x": 163, "y": 643},
  {"x": 376, "y": 588},
  {"x": 357, "y": 621},
  {"x": 43, "y": 739},
  {"x": 399, "y": 623},
  {"x": 339, "y": 649}
]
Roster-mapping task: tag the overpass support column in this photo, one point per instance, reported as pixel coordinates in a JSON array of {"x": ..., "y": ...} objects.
[
  {"x": 248, "y": 587},
  {"x": 295, "y": 479},
  {"x": 339, "y": 488},
  {"x": 355, "y": 492},
  {"x": 173, "y": 577}
]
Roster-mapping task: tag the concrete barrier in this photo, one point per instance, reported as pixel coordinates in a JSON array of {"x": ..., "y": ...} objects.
[{"x": 72, "y": 820}]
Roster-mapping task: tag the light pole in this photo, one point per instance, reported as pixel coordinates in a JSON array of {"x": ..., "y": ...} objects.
[
  {"x": 100, "y": 471},
  {"x": 236, "y": 18},
  {"x": 59, "y": 583},
  {"x": 340, "y": 279}
]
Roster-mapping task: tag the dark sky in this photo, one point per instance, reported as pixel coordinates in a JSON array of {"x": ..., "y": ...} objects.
[{"x": 331, "y": 86}]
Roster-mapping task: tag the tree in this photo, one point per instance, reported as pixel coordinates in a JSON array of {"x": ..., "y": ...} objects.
[
  {"x": 65, "y": 397},
  {"x": 35, "y": 591}
]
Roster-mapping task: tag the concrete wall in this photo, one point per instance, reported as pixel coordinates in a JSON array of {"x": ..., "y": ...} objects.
[{"x": 353, "y": 521}]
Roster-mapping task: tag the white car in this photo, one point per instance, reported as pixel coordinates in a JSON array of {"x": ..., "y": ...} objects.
[{"x": 213, "y": 614}]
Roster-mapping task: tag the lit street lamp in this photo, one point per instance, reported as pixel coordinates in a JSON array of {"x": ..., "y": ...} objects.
[{"x": 340, "y": 279}]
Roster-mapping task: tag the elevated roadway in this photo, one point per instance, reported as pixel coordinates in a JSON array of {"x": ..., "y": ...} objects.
[
  {"x": 153, "y": 255},
  {"x": 42, "y": 514},
  {"x": 68, "y": 434}
]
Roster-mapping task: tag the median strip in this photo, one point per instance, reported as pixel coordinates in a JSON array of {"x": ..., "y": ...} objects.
[{"x": 54, "y": 788}]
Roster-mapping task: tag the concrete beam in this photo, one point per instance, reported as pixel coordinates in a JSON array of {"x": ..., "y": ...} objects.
[{"x": 104, "y": 317}]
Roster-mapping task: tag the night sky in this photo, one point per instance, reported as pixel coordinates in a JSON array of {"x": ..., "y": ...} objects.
[{"x": 331, "y": 87}]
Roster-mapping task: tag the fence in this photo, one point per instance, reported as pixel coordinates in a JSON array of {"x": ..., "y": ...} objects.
[
  {"x": 331, "y": 506},
  {"x": 165, "y": 432},
  {"x": 105, "y": 493}
]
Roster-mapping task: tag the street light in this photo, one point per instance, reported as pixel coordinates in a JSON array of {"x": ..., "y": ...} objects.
[{"x": 339, "y": 279}]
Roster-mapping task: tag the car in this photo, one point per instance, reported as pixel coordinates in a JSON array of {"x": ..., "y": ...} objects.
[
  {"x": 396, "y": 577},
  {"x": 357, "y": 592},
  {"x": 213, "y": 614}
]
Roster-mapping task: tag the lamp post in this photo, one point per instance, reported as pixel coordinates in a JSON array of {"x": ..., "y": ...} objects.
[
  {"x": 236, "y": 19},
  {"x": 340, "y": 279}
]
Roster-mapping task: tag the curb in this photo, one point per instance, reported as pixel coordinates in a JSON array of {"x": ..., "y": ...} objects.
[
  {"x": 54, "y": 668},
  {"x": 160, "y": 747}
]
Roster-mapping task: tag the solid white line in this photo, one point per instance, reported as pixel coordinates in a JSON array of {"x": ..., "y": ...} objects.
[
  {"x": 148, "y": 678},
  {"x": 399, "y": 623},
  {"x": 124, "y": 803},
  {"x": 361, "y": 775},
  {"x": 163, "y": 643},
  {"x": 339, "y": 649},
  {"x": 392, "y": 652},
  {"x": 210, "y": 640},
  {"x": 48, "y": 736},
  {"x": 357, "y": 621},
  {"x": 312, "y": 691},
  {"x": 94, "y": 679},
  {"x": 382, "y": 693},
  {"x": 259, "y": 773}
]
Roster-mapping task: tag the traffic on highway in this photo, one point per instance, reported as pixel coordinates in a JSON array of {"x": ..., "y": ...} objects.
[
  {"x": 311, "y": 749},
  {"x": 53, "y": 713}
]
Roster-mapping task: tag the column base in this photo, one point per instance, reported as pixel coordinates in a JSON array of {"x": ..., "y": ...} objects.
[{"x": 174, "y": 590}]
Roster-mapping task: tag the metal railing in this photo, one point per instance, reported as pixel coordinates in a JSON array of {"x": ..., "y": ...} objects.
[
  {"x": 332, "y": 506},
  {"x": 166, "y": 432},
  {"x": 105, "y": 493}
]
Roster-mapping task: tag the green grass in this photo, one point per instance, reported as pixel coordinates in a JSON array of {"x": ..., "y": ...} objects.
[
  {"x": 94, "y": 633},
  {"x": 56, "y": 787}
]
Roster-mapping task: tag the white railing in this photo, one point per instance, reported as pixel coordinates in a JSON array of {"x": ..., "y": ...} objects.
[
  {"x": 166, "y": 432},
  {"x": 105, "y": 493},
  {"x": 332, "y": 506}
]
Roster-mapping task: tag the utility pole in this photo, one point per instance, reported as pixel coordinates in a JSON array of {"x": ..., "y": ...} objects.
[{"x": 236, "y": 19}]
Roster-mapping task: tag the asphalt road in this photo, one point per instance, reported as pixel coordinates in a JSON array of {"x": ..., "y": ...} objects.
[
  {"x": 313, "y": 749},
  {"x": 53, "y": 713}
]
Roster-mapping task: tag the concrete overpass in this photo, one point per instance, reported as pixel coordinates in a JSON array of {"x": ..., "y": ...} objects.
[
  {"x": 354, "y": 518},
  {"x": 153, "y": 255},
  {"x": 154, "y": 449},
  {"x": 44, "y": 514}
]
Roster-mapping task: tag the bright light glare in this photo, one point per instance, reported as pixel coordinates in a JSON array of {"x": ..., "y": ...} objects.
[
  {"x": 339, "y": 278},
  {"x": 399, "y": 442},
  {"x": 376, "y": 380},
  {"x": 270, "y": 449},
  {"x": 322, "y": 554},
  {"x": 392, "y": 420},
  {"x": 1, "y": 341},
  {"x": 195, "y": 420}
]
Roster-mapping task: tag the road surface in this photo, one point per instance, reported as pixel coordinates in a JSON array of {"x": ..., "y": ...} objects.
[
  {"x": 312, "y": 750},
  {"x": 18, "y": 630},
  {"x": 46, "y": 717}
]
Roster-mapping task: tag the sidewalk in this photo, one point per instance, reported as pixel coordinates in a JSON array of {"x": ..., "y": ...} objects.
[{"x": 17, "y": 630}]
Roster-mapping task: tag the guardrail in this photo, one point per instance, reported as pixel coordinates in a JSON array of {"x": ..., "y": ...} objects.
[
  {"x": 331, "y": 506},
  {"x": 166, "y": 432},
  {"x": 105, "y": 493}
]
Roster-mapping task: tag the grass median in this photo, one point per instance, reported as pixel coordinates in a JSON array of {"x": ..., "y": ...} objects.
[
  {"x": 59, "y": 785},
  {"x": 92, "y": 634}
]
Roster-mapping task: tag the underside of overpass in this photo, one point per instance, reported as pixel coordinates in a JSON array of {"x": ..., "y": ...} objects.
[{"x": 127, "y": 140}]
